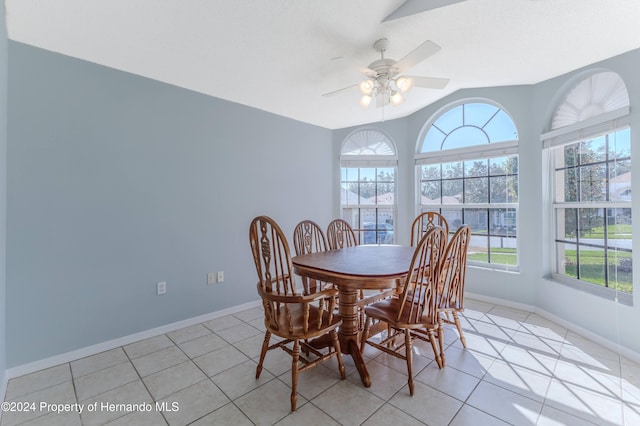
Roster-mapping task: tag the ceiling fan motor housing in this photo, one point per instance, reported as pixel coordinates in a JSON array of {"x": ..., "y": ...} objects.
[{"x": 383, "y": 66}]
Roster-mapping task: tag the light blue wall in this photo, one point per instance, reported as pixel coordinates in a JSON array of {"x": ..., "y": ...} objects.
[
  {"x": 531, "y": 108},
  {"x": 117, "y": 182},
  {"x": 3, "y": 188}
]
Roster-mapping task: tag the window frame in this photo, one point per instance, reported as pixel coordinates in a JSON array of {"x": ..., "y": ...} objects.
[
  {"x": 575, "y": 120},
  {"x": 369, "y": 161},
  {"x": 605, "y": 291},
  {"x": 483, "y": 151}
]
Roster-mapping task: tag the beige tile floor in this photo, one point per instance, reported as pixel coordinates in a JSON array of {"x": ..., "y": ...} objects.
[{"x": 519, "y": 368}]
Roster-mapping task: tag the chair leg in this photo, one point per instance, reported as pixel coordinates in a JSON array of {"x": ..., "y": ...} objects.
[
  {"x": 294, "y": 375},
  {"x": 436, "y": 353},
  {"x": 365, "y": 334},
  {"x": 263, "y": 352},
  {"x": 336, "y": 345},
  {"x": 459, "y": 327},
  {"x": 409, "y": 359},
  {"x": 441, "y": 343}
]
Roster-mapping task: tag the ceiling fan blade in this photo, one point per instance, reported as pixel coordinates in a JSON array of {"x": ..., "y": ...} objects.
[
  {"x": 428, "y": 82},
  {"x": 418, "y": 55},
  {"x": 344, "y": 89},
  {"x": 412, "y": 7}
]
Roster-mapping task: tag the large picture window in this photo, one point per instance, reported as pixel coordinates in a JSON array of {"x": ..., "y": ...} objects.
[
  {"x": 590, "y": 156},
  {"x": 368, "y": 186},
  {"x": 467, "y": 169}
]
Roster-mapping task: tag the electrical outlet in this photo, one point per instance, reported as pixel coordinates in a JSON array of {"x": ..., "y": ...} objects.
[
  {"x": 220, "y": 276},
  {"x": 162, "y": 287},
  {"x": 211, "y": 278}
]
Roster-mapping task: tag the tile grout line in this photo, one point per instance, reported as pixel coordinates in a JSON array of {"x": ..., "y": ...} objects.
[
  {"x": 509, "y": 342},
  {"x": 231, "y": 401}
]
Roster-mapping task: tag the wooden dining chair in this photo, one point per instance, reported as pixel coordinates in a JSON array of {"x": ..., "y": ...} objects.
[
  {"x": 309, "y": 238},
  {"x": 452, "y": 278},
  {"x": 425, "y": 221},
  {"x": 340, "y": 234},
  {"x": 292, "y": 315},
  {"x": 414, "y": 314}
]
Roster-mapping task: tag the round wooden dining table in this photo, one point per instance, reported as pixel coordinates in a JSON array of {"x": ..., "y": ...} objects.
[{"x": 351, "y": 269}]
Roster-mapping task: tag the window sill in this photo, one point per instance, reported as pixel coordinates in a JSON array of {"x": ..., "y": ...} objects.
[{"x": 493, "y": 267}]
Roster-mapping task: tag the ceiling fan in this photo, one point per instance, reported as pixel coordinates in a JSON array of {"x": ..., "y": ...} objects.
[
  {"x": 384, "y": 81},
  {"x": 412, "y": 7}
]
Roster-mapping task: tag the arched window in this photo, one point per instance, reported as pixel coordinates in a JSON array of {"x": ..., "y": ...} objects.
[
  {"x": 467, "y": 166},
  {"x": 368, "y": 164},
  {"x": 589, "y": 148}
]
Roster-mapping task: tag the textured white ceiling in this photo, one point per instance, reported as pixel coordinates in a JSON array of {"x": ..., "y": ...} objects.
[{"x": 282, "y": 55}]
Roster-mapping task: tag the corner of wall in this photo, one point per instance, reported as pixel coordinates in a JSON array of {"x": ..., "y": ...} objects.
[{"x": 3, "y": 196}]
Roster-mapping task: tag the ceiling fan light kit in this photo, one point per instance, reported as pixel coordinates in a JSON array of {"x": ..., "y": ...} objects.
[
  {"x": 366, "y": 86},
  {"x": 383, "y": 80},
  {"x": 404, "y": 83},
  {"x": 396, "y": 98},
  {"x": 365, "y": 100}
]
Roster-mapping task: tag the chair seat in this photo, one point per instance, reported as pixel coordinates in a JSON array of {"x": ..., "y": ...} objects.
[
  {"x": 293, "y": 327},
  {"x": 448, "y": 305},
  {"x": 454, "y": 307},
  {"x": 387, "y": 310}
]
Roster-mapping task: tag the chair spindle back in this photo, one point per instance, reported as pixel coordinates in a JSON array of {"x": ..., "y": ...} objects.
[
  {"x": 425, "y": 221},
  {"x": 309, "y": 238},
  {"x": 340, "y": 235},
  {"x": 452, "y": 275}
]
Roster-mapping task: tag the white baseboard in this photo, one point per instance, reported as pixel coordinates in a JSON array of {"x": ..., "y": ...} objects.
[
  {"x": 501, "y": 302},
  {"x": 42, "y": 364},
  {"x": 112, "y": 344},
  {"x": 621, "y": 350}
]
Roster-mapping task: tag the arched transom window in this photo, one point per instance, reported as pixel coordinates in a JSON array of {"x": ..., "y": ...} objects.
[
  {"x": 467, "y": 166},
  {"x": 368, "y": 164},
  {"x": 469, "y": 125}
]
